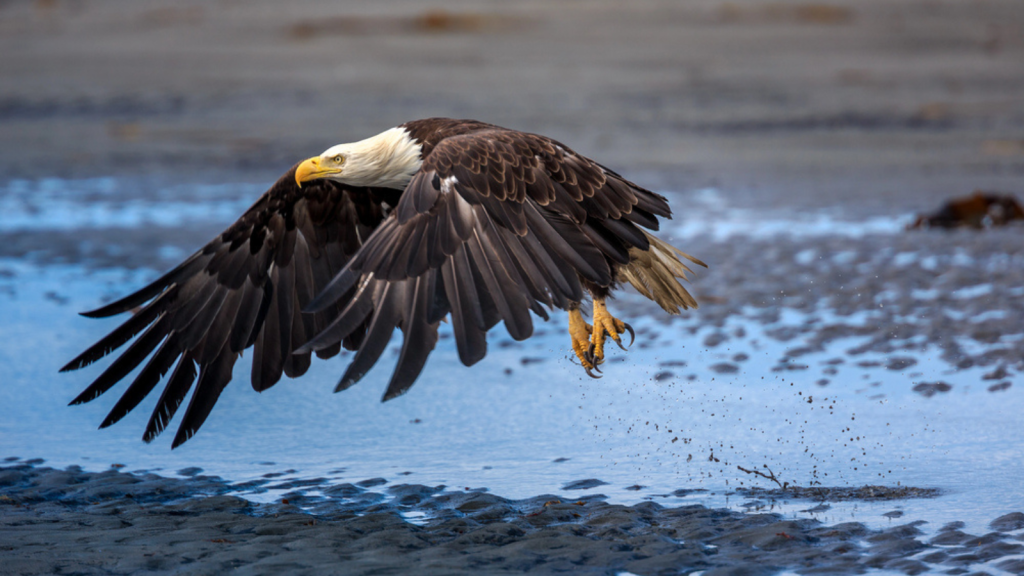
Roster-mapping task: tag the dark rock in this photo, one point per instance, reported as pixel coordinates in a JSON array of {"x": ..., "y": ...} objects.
[
  {"x": 899, "y": 363},
  {"x": 935, "y": 557},
  {"x": 997, "y": 374},
  {"x": 724, "y": 368},
  {"x": 681, "y": 492},
  {"x": 584, "y": 484},
  {"x": 345, "y": 490},
  {"x": 1008, "y": 522},
  {"x": 999, "y": 550},
  {"x": 495, "y": 534},
  {"x": 715, "y": 338},
  {"x": 844, "y": 531},
  {"x": 1013, "y": 565},
  {"x": 493, "y": 513},
  {"x": 929, "y": 389},
  {"x": 907, "y": 566},
  {"x": 950, "y": 538},
  {"x": 479, "y": 501},
  {"x": 989, "y": 538}
]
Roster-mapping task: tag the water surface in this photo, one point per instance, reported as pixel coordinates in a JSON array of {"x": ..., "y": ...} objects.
[{"x": 688, "y": 404}]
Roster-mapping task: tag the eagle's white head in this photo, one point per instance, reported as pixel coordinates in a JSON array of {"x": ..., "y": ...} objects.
[{"x": 387, "y": 160}]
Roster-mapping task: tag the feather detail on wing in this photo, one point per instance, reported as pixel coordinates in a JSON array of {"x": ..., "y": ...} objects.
[
  {"x": 246, "y": 288},
  {"x": 496, "y": 225}
]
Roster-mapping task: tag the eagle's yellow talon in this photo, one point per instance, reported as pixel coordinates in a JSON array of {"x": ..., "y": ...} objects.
[
  {"x": 580, "y": 333},
  {"x": 606, "y": 325}
]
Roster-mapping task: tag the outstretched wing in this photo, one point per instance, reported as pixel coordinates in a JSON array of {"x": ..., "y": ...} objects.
[
  {"x": 496, "y": 224},
  {"x": 246, "y": 288}
]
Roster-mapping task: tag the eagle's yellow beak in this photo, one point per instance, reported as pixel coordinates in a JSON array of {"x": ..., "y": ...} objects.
[{"x": 310, "y": 169}]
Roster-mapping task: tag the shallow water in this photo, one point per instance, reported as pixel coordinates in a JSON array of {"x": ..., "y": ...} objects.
[{"x": 682, "y": 410}]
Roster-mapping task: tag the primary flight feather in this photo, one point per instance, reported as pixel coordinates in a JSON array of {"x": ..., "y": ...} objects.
[{"x": 434, "y": 218}]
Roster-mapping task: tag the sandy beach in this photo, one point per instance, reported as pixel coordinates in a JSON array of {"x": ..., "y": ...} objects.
[{"x": 876, "y": 370}]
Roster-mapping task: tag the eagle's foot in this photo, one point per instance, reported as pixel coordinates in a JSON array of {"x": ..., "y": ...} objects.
[
  {"x": 580, "y": 333},
  {"x": 606, "y": 325}
]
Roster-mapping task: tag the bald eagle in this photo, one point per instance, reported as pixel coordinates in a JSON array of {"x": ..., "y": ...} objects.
[{"x": 433, "y": 219}]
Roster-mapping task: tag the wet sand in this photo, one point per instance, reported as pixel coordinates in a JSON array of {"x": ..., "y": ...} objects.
[
  {"x": 70, "y": 521},
  {"x": 868, "y": 109}
]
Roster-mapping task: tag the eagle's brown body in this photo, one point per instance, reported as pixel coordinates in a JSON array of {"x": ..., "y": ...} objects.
[{"x": 485, "y": 225}]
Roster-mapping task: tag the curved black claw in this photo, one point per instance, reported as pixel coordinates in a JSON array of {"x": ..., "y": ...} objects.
[
  {"x": 593, "y": 359},
  {"x": 632, "y": 335},
  {"x": 618, "y": 342},
  {"x": 591, "y": 374}
]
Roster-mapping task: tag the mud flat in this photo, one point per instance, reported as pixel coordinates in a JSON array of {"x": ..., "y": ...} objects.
[
  {"x": 70, "y": 521},
  {"x": 896, "y": 326},
  {"x": 792, "y": 137}
]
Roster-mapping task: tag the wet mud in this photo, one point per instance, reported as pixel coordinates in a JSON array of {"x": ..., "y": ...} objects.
[
  {"x": 70, "y": 521},
  {"x": 897, "y": 294}
]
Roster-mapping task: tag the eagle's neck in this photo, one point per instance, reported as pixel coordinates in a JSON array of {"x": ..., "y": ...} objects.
[{"x": 387, "y": 160}]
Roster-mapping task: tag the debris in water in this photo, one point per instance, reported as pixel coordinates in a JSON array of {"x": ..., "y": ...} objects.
[{"x": 980, "y": 210}]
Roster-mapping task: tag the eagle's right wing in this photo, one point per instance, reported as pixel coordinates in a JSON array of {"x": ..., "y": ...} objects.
[{"x": 246, "y": 288}]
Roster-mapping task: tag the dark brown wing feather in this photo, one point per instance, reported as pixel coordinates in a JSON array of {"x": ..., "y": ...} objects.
[
  {"x": 495, "y": 224},
  {"x": 246, "y": 288}
]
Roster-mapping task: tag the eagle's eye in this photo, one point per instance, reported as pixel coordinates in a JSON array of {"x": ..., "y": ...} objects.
[{"x": 339, "y": 159}]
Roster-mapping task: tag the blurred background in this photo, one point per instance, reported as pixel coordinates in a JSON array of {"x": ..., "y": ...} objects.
[{"x": 803, "y": 102}]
